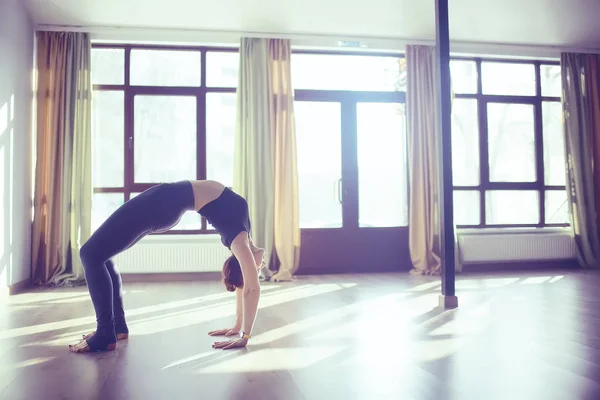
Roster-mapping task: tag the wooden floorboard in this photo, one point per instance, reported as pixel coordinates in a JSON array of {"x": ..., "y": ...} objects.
[{"x": 533, "y": 335}]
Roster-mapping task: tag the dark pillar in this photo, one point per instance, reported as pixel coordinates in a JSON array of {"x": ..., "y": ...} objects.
[{"x": 448, "y": 297}]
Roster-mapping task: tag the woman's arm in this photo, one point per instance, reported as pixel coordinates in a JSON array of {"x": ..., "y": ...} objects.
[
  {"x": 249, "y": 294},
  {"x": 239, "y": 309},
  {"x": 239, "y": 318},
  {"x": 251, "y": 290}
]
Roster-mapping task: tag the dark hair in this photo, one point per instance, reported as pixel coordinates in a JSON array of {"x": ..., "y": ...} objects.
[{"x": 232, "y": 274}]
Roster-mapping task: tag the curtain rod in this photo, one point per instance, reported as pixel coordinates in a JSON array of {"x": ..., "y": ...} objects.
[{"x": 138, "y": 34}]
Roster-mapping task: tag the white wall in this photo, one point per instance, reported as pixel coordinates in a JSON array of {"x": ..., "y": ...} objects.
[{"x": 16, "y": 95}]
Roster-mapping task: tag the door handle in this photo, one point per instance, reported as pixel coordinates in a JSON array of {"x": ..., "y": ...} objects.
[{"x": 339, "y": 190}]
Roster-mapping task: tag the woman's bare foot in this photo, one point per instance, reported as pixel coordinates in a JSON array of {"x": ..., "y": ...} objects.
[
  {"x": 120, "y": 336},
  {"x": 83, "y": 347},
  {"x": 259, "y": 257}
]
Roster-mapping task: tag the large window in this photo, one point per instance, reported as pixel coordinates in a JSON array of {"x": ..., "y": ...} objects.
[
  {"x": 160, "y": 115},
  {"x": 167, "y": 114},
  {"x": 507, "y": 144}
]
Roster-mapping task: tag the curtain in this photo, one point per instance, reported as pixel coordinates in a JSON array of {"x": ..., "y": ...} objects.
[
  {"x": 265, "y": 150},
  {"x": 63, "y": 179},
  {"x": 283, "y": 128},
  {"x": 424, "y": 162},
  {"x": 581, "y": 109}
]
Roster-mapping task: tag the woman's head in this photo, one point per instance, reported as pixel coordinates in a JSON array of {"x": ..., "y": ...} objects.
[{"x": 232, "y": 274}]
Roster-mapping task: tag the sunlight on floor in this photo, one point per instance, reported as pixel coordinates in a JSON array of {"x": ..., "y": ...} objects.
[
  {"x": 70, "y": 323},
  {"x": 193, "y": 317},
  {"x": 172, "y": 320},
  {"x": 31, "y": 362},
  {"x": 321, "y": 319},
  {"x": 425, "y": 286},
  {"x": 462, "y": 284},
  {"x": 471, "y": 322},
  {"x": 273, "y": 359}
]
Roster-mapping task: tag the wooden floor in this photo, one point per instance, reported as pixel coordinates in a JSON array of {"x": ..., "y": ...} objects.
[{"x": 514, "y": 336}]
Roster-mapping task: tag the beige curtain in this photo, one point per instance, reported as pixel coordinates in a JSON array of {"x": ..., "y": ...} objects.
[
  {"x": 283, "y": 128},
  {"x": 424, "y": 163},
  {"x": 581, "y": 107},
  {"x": 63, "y": 188},
  {"x": 265, "y": 147}
]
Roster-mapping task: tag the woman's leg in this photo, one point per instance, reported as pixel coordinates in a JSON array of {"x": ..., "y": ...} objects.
[
  {"x": 121, "y": 329},
  {"x": 155, "y": 209},
  {"x": 118, "y": 232}
]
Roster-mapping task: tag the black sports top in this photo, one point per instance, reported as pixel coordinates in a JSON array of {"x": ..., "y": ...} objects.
[{"x": 229, "y": 214}]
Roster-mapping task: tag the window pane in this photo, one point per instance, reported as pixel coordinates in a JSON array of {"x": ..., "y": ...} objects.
[
  {"x": 190, "y": 220},
  {"x": 554, "y": 144},
  {"x": 108, "y": 137},
  {"x": 556, "y": 207},
  {"x": 467, "y": 207},
  {"x": 164, "y": 138},
  {"x": 382, "y": 191},
  {"x": 165, "y": 68},
  {"x": 222, "y": 69},
  {"x": 465, "y": 142},
  {"x": 464, "y": 76},
  {"x": 511, "y": 142},
  {"x": 220, "y": 133},
  {"x": 103, "y": 205},
  {"x": 108, "y": 66},
  {"x": 551, "y": 80},
  {"x": 512, "y": 207},
  {"x": 508, "y": 79},
  {"x": 348, "y": 72},
  {"x": 319, "y": 166}
]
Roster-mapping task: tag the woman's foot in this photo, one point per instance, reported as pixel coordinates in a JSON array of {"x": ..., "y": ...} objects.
[
  {"x": 93, "y": 343},
  {"x": 120, "y": 336},
  {"x": 259, "y": 257}
]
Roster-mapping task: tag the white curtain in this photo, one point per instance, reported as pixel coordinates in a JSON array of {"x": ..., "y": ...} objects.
[{"x": 265, "y": 147}]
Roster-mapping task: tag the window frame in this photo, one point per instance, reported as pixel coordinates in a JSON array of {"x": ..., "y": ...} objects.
[
  {"x": 130, "y": 91},
  {"x": 485, "y": 184}
]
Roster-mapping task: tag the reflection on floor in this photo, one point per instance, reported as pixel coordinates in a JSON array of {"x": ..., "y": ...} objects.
[{"x": 515, "y": 336}]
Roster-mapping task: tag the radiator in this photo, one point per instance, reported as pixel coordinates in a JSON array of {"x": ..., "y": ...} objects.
[
  {"x": 205, "y": 253},
  {"x": 171, "y": 253},
  {"x": 507, "y": 247}
]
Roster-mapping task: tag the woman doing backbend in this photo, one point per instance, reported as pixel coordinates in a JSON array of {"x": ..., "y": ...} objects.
[{"x": 158, "y": 209}]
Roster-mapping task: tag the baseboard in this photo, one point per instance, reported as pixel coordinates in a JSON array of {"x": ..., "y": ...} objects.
[
  {"x": 521, "y": 266},
  {"x": 19, "y": 287},
  {"x": 170, "y": 277}
]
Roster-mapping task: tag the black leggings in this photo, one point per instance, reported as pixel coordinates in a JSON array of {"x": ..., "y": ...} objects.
[{"x": 157, "y": 209}]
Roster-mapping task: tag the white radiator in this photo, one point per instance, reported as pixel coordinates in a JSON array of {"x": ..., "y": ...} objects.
[
  {"x": 516, "y": 246},
  {"x": 205, "y": 253},
  {"x": 174, "y": 253}
]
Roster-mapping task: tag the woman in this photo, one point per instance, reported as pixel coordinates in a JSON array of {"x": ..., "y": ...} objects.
[{"x": 158, "y": 209}]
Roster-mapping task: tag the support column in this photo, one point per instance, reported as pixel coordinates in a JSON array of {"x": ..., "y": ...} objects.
[{"x": 448, "y": 297}]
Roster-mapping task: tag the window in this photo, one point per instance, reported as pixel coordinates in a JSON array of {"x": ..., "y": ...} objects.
[
  {"x": 220, "y": 131},
  {"x": 508, "y": 144},
  {"x": 165, "y": 67},
  {"x": 160, "y": 123},
  {"x": 164, "y": 138},
  {"x": 348, "y": 72}
]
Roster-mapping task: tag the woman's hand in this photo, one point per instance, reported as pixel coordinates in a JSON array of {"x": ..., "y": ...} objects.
[
  {"x": 230, "y": 344},
  {"x": 226, "y": 332}
]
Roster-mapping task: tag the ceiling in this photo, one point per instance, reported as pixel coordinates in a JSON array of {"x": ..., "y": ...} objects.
[{"x": 564, "y": 23}]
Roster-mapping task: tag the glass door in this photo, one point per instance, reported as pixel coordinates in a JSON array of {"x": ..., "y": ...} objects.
[
  {"x": 352, "y": 172},
  {"x": 382, "y": 165}
]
